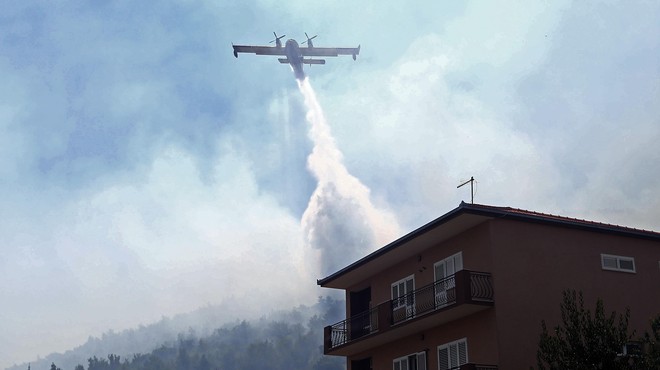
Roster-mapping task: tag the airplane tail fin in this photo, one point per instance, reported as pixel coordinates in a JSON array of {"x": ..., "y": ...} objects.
[{"x": 283, "y": 60}]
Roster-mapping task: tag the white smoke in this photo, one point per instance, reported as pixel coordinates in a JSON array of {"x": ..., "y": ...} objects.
[{"x": 340, "y": 221}]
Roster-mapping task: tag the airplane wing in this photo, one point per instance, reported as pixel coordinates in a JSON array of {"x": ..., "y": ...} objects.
[
  {"x": 329, "y": 52},
  {"x": 259, "y": 50}
]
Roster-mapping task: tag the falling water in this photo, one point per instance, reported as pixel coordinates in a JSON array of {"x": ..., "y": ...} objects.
[{"x": 340, "y": 221}]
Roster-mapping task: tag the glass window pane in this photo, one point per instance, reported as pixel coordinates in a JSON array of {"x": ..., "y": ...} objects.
[
  {"x": 458, "y": 262},
  {"x": 609, "y": 262},
  {"x": 625, "y": 264},
  {"x": 450, "y": 267},
  {"x": 439, "y": 271}
]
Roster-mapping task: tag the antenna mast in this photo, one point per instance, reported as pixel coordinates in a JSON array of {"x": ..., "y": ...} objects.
[{"x": 471, "y": 181}]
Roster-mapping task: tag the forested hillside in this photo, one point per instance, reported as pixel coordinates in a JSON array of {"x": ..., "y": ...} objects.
[{"x": 286, "y": 340}]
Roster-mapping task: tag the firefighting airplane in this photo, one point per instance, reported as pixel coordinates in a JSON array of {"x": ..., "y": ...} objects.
[{"x": 295, "y": 55}]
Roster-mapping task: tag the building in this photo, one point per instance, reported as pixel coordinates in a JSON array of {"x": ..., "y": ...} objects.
[{"x": 470, "y": 288}]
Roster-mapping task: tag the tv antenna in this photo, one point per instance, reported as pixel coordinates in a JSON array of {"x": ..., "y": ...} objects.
[{"x": 471, "y": 181}]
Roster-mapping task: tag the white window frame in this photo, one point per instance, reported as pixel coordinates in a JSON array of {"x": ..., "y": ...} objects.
[
  {"x": 617, "y": 261},
  {"x": 400, "y": 363},
  {"x": 396, "y": 301},
  {"x": 404, "y": 362},
  {"x": 455, "y": 345},
  {"x": 456, "y": 262}
]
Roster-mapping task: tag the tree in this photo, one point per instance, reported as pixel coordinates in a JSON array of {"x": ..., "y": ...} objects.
[
  {"x": 97, "y": 363},
  {"x": 650, "y": 358},
  {"x": 204, "y": 364},
  {"x": 183, "y": 359},
  {"x": 584, "y": 341},
  {"x": 114, "y": 362}
]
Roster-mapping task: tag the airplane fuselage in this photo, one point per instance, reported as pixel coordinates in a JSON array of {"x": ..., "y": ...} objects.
[{"x": 295, "y": 58}]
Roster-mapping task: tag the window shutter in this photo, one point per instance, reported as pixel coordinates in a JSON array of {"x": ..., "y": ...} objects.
[
  {"x": 462, "y": 352},
  {"x": 443, "y": 358},
  {"x": 453, "y": 355},
  {"x": 421, "y": 361},
  {"x": 397, "y": 365}
]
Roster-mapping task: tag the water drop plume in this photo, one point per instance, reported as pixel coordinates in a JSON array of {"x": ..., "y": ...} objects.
[{"x": 340, "y": 222}]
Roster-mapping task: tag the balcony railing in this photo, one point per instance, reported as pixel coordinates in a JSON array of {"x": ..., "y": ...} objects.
[
  {"x": 475, "y": 367},
  {"x": 463, "y": 287}
]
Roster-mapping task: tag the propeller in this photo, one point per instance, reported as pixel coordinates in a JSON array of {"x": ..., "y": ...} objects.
[
  {"x": 277, "y": 39},
  {"x": 309, "y": 40}
]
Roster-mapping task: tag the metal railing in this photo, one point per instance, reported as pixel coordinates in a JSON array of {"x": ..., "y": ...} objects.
[
  {"x": 355, "y": 327},
  {"x": 428, "y": 298},
  {"x": 462, "y": 287},
  {"x": 475, "y": 367},
  {"x": 481, "y": 287}
]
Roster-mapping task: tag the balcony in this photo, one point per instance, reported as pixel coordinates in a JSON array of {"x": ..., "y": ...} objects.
[{"x": 456, "y": 296}]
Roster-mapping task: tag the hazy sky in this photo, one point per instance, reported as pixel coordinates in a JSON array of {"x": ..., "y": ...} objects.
[{"x": 144, "y": 171}]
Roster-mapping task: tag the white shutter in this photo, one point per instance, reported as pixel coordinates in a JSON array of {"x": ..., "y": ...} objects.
[
  {"x": 421, "y": 361},
  {"x": 453, "y": 355},
  {"x": 462, "y": 352},
  {"x": 396, "y": 365},
  {"x": 443, "y": 358}
]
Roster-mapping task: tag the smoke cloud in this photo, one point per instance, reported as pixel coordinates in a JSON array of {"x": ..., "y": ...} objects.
[{"x": 341, "y": 222}]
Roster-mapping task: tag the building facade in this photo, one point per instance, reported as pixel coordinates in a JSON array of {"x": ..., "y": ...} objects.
[{"x": 470, "y": 288}]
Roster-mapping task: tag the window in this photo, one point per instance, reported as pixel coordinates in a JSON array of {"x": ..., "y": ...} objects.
[
  {"x": 452, "y": 354},
  {"x": 443, "y": 272},
  {"x": 399, "y": 291},
  {"x": 617, "y": 263},
  {"x": 448, "y": 266},
  {"x": 416, "y": 361},
  {"x": 632, "y": 349}
]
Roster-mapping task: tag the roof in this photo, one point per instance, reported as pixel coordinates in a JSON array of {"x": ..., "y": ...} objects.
[{"x": 462, "y": 218}]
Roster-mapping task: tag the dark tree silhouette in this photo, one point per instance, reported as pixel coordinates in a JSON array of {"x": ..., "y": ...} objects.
[{"x": 584, "y": 341}]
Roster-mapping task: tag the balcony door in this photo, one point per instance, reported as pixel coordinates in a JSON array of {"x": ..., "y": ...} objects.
[
  {"x": 445, "y": 283},
  {"x": 403, "y": 299},
  {"x": 364, "y": 364},
  {"x": 360, "y": 321}
]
